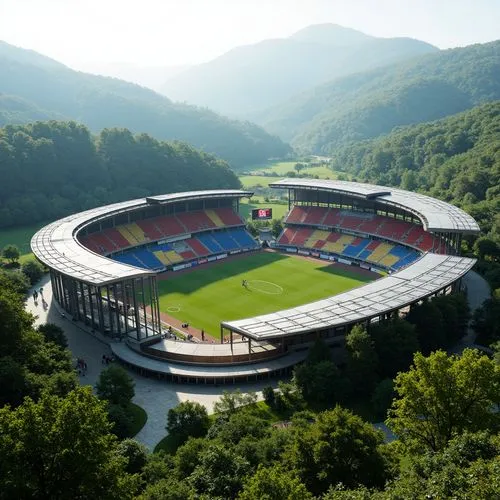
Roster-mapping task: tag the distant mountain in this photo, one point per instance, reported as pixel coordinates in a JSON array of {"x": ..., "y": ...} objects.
[
  {"x": 253, "y": 77},
  {"x": 36, "y": 87},
  {"x": 152, "y": 77},
  {"x": 372, "y": 103}
]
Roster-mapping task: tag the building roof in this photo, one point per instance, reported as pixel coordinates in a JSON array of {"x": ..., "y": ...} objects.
[
  {"x": 57, "y": 247},
  {"x": 436, "y": 215},
  {"x": 426, "y": 276}
]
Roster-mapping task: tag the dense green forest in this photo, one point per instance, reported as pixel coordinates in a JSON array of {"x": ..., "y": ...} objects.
[
  {"x": 34, "y": 87},
  {"x": 51, "y": 169},
  {"x": 456, "y": 159},
  {"x": 254, "y": 77},
  {"x": 372, "y": 103}
]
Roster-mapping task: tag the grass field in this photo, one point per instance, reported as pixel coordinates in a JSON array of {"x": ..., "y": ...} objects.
[
  {"x": 279, "y": 209},
  {"x": 214, "y": 293},
  {"x": 280, "y": 169}
]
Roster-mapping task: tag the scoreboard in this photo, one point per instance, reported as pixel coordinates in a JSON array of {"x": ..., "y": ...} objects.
[{"x": 262, "y": 213}]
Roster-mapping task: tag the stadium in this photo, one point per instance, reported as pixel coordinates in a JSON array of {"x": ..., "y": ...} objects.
[{"x": 150, "y": 274}]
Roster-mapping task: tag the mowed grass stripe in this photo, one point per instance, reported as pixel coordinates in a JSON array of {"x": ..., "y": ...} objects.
[{"x": 209, "y": 295}]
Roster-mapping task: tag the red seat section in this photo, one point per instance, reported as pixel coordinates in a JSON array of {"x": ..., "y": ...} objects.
[
  {"x": 169, "y": 225},
  {"x": 91, "y": 244},
  {"x": 198, "y": 247},
  {"x": 150, "y": 229},
  {"x": 315, "y": 215},
  {"x": 188, "y": 255},
  {"x": 301, "y": 236},
  {"x": 372, "y": 245},
  {"x": 228, "y": 216},
  {"x": 196, "y": 221},
  {"x": 287, "y": 236},
  {"x": 333, "y": 237},
  {"x": 297, "y": 214},
  {"x": 116, "y": 237},
  {"x": 372, "y": 225},
  {"x": 333, "y": 217}
]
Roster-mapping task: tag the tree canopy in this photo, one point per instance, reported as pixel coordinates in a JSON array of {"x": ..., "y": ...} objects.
[
  {"x": 444, "y": 396},
  {"x": 50, "y": 169}
]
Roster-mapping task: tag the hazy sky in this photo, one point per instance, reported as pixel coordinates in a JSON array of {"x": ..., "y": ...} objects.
[{"x": 172, "y": 32}]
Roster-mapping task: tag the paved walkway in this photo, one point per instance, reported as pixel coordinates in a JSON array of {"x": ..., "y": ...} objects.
[{"x": 155, "y": 396}]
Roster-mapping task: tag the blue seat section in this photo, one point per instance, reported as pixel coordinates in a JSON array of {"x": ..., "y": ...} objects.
[
  {"x": 364, "y": 254},
  {"x": 243, "y": 238},
  {"x": 129, "y": 258},
  {"x": 148, "y": 258},
  {"x": 412, "y": 256},
  {"x": 225, "y": 241},
  {"x": 209, "y": 242},
  {"x": 400, "y": 251},
  {"x": 164, "y": 247},
  {"x": 354, "y": 250}
]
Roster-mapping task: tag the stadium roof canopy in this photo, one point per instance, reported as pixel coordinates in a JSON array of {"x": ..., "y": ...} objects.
[
  {"x": 423, "y": 278},
  {"x": 436, "y": 215},
  {"x": 57, "y": 247}
]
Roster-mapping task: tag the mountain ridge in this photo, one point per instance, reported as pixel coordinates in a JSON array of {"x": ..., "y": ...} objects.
[{"x": 252, "y": 77}]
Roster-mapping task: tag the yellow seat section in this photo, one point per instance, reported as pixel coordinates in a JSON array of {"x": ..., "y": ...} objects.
[
  {"x": 127, "y": 235},
  {"x": 136, "y": 232},
  {"x": 318, "y": 235},
  {"x": 215, "y": 218},
  {"x": 341, "y": 243},
  {"x": 161, "y": 257},
  {"x": 389, "y": 260},
  {"x": 381, "y": 251},
  {"x": 173, "y": 257}
]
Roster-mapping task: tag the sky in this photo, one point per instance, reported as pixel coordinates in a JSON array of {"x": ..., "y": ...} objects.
[{"x": 85, "y": 33}]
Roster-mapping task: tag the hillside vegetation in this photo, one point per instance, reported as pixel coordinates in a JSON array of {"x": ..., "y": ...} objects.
[
  {"x": 34, "y": 87},
  {"x": 372, "y": 103},
  {"x": 456, "y": 159},
  {"x": 51, "y": 169},
  {"x": 254, "y": 77}
]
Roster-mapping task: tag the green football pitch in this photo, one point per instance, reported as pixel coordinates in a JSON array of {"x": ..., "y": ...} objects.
[{"x": 207, "y": 295}]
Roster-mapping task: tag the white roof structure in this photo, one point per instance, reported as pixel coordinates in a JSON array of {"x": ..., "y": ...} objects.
[
  {"x": 426, "y": 276},
  {"x": 436, "y": 215},
  {"x": 57, "y": 247}
]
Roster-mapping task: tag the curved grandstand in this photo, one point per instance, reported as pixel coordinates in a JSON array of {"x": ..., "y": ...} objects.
[{"x": 104, "y": 265}]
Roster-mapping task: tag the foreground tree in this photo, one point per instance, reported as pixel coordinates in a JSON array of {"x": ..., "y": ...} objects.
[
  {"x": 11, "y": 253},
  {"x": 220, "y": 473},
  {"x": 115, "y": 385},
  {"x": 467, "y": 468},
  {"x": 61, "y": 448},
  {"x": 33, "y": 270},
  {"x": 443, "y": 396},
  {"x": 338, "y": 448},
  {"x": 53, "y": 333},
  {"x": 362, "y": 361},
  {"x": 187, "y": 419},
  {"x": 274, "y": 483}
]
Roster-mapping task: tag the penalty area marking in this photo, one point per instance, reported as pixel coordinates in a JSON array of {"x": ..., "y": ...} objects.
[
  {"x": 266, "y": 287},
  {"x": 173, "y": 309}
]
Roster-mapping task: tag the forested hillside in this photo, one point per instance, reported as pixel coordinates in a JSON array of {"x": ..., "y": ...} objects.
[
  {"x": 254, "y": 77},
  {"x": 36, "y": 87},
  {"x": 51, "y": 169},
  {"x": 456, "y": 159},
  {"x": 372, "y": 103}
]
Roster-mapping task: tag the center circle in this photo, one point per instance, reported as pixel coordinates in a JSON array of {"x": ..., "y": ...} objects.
[{"x": 262, "y": 286}]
